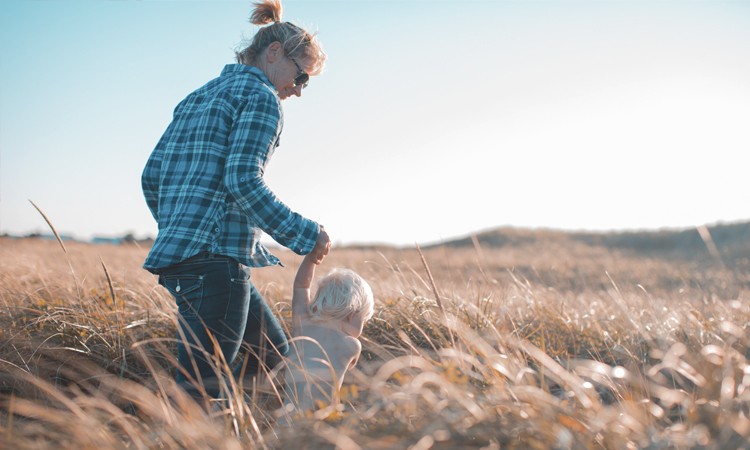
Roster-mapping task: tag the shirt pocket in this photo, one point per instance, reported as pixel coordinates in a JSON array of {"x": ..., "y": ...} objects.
[{"x": 187, "y": 291}]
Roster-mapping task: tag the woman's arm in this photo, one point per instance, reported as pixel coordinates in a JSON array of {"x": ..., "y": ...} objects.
[
  {"x": 150, "y": 178},
  {"x": 251, "y": 141}
]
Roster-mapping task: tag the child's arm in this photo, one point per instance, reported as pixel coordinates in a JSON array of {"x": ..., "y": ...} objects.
[
  {"x": 305, "y": 274},
  {"x": 301, "y": 291}
]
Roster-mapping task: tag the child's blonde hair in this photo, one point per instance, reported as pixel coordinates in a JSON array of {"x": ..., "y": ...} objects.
[{"x": 341, "y": 293}]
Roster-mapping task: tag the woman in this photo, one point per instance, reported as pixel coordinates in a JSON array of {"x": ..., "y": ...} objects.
[{"x": 204, "y": 186}]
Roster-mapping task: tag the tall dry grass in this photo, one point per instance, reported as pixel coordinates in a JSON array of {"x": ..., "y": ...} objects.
[{"x": 550, "y": 345}]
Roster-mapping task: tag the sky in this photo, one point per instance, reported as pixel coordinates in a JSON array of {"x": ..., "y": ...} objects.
[{"x": 432, "y": 119}]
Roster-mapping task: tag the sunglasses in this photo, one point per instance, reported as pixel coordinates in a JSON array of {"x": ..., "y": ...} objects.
[{"x": 302, "y": 77}]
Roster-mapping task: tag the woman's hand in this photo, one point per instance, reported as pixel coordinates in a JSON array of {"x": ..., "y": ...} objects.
[{"x": 322, "y": 247}]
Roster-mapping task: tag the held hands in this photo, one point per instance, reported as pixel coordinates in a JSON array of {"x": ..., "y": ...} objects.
[
  {"x": 306, "y": 270},
  {"x": 322, "y": 247}
]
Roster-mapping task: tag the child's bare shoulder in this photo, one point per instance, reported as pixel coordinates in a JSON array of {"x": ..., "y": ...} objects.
[
  {"x": 353, "y": 342},
  {"x": 352, "y": 345}
]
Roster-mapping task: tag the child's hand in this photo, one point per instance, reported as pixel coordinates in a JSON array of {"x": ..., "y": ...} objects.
[{"x": 322, "y": 247}]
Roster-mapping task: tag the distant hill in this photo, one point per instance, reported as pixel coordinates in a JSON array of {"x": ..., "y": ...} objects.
[{"x": 732, "y": 241}]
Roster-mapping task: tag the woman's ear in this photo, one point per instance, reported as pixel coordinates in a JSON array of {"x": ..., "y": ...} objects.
[{"x": 274, "y": 52}]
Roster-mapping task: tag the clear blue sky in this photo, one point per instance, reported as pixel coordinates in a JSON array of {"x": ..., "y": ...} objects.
[{"x": 432, "y": 120}]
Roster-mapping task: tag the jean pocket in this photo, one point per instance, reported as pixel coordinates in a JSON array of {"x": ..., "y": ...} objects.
[
  {"x": 239, "y": 273},
  {"x": 187, "y": 290}
]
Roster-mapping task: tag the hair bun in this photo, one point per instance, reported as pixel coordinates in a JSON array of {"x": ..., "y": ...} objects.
[{"x": 266, "y": 11}]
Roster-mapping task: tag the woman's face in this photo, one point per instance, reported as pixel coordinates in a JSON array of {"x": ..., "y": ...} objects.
[
  {"x": 290, "y": 88},
  {"x": 283, "y": 70}
]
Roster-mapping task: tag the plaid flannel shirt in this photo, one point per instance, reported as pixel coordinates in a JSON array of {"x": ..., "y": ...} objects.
[{"x": 204, "y": 180}]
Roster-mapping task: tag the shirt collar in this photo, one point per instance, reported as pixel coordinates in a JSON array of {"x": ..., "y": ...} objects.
[{"x": 242, "y": 68}]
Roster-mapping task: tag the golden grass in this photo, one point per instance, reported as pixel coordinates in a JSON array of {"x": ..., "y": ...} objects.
[{"x": 549, "y": 345}]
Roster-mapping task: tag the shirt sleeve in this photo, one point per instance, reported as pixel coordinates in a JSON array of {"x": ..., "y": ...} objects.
[
  {"x": 150, "y": 181},
  {"x": 251, "y": 140}
]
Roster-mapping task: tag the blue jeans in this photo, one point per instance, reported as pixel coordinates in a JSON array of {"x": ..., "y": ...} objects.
[{"x": 215, "y": 298}]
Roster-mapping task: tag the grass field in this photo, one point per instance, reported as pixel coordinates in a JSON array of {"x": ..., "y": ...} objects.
[{"x": 542, "y": 342}]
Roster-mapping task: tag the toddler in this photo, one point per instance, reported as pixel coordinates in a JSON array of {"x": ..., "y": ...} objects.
[{"x": 324, "y": 341}]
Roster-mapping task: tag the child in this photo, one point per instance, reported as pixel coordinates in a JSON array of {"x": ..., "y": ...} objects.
[{"x": 324, "y": 341}]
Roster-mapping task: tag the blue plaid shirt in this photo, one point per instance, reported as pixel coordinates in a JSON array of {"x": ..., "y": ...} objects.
[{"x": 204, "y": 180}]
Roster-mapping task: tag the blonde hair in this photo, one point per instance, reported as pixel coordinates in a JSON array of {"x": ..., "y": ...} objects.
[
  {"x": 341, "y": 293},
  {"x": 295, "y": 41}
]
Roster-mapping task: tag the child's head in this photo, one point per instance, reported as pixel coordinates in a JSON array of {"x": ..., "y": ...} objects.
[{"x": 344, "y": 296}]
